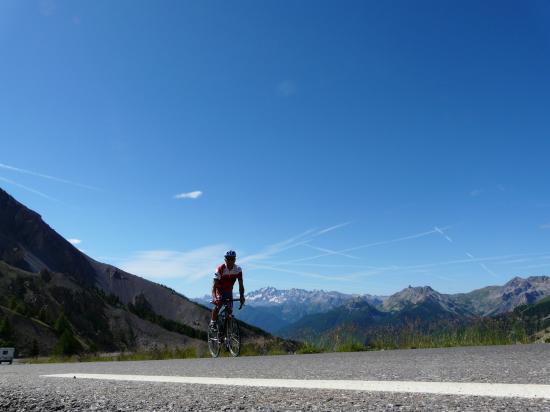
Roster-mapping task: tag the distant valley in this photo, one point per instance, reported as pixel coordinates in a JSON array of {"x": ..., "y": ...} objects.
[
  {"x": 273, "y": 309},
  {"x": 319, "y": 316}
]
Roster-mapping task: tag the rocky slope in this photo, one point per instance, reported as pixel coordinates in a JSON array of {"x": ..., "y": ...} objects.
[
  {"x": 29, "y": 246},
  {"x": 412, "y": 296},
  {"x": 493, "y": 300}
]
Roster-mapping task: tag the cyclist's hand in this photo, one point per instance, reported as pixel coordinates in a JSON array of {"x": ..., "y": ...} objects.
[{"x": 242, "y": 299}]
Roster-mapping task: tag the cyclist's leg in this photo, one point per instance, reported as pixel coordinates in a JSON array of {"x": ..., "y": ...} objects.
[
  {"x": 215, "y": 312},
  {"x": 218, "y": 300}
]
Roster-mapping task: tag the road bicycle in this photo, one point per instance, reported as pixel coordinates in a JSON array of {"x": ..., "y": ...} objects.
[{"x": 226, "y": 331}]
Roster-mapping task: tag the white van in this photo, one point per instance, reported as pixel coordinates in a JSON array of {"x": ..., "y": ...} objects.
[{"x": 6, "y": 355}]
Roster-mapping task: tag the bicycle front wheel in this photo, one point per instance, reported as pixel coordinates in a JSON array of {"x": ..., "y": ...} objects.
[
  {"x": 233, "y": 337},
  {"x": 214, "y": 341}
]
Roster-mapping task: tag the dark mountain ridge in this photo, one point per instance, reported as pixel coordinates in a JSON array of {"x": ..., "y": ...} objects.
[{"x": 28, "y": 243}]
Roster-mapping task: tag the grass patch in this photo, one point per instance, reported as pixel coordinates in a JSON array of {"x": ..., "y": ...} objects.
[
  {"x": 308, "y": 348},
  {"x": 352, "y": 347}
]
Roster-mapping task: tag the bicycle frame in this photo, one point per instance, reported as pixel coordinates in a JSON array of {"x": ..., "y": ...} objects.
[
  {"x": 225, "y": 314},
  {"x": 227, "y": 333}
]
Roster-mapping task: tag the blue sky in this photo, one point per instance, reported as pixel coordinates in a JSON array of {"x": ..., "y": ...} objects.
[{"x": 352, "y": 146}]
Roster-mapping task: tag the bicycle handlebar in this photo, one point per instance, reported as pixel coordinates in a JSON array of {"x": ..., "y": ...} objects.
[{"x": 232, "y": 300}]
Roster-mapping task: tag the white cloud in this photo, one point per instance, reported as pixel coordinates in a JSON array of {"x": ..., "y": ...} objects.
[
  {"x": 168, "y": 264},
  {"x": 189, "y": 195},
  {"x": 476, "y": 192},
  {"x": 200, "y": 263},
  {"x": 545, "y": 226},
  {"x": 74, "y": 241}
]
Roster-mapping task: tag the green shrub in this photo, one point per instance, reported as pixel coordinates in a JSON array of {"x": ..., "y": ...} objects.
[
  {"x": 5, "y": 329},
  {"x": 309, "y": 348},
  {"x": 34, "y": 352},
  {"x": 67, "y": 344},
  {"x": 62, "y": 324},
  {"x": 351, "y": 347}
]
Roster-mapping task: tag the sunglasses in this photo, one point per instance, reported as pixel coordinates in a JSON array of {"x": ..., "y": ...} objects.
[{"x": 230, "y": 258}]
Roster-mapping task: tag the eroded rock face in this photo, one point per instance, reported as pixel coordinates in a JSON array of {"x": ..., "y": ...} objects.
[
  {"x": 493, "y": 300},
  {"x": 28, "y": 243},
  {"x": 519, "y": 291},
  {"x": 424, "y": 294}
]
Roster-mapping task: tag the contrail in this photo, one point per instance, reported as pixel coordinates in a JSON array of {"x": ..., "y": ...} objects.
[
  {"x": 486, "y": 269},
  {"x": 278, "y": 247},
  {"x": 482, "y": 265},
  {"x": 328, "y": 265},
  {"x": 385, "y": 242},
  {"x": 321, "y": 249},
  {"x": 507, "y": 262},
  {"x": 329, "y": 229},
  {"x": 293, "y": 272},
  {"x": 57, "y": 179},
  {"x": 30, "y": 189},
  {"x": 298, "y": 240},
  {"x": 471, "y": 259},
  {"x": 440, "y": 231}
]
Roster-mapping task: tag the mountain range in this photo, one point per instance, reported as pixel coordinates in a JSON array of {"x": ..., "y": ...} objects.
[
  {"x": 274, "y": 309},
  {"x": 493, "y": 314},
  {"x": 288, "y": 312},
  {"x": 50, "y": 289},
  {"x": 302, "y": 314}
]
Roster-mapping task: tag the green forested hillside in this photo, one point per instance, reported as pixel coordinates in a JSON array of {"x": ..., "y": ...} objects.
[
  {"x": 49, "y": 313},
  {"x": 425, "y": 324}
]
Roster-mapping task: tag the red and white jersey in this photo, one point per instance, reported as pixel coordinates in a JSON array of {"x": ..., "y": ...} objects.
[{"x": 226, "y": 278}]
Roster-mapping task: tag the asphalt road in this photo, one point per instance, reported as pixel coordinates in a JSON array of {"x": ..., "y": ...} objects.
[{"x": 24, "y": 387}]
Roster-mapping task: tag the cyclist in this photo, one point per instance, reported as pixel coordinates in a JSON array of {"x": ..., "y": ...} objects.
[{"x": 222, "y": 287}]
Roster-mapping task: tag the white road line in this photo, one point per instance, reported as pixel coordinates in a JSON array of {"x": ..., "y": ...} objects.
[{"x": 508, "y": 390}]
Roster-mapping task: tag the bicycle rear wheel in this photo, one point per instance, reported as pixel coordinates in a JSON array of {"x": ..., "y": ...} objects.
[
  {"x": 233, "y": 337},
  {"x": 214, "y": 341}
]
